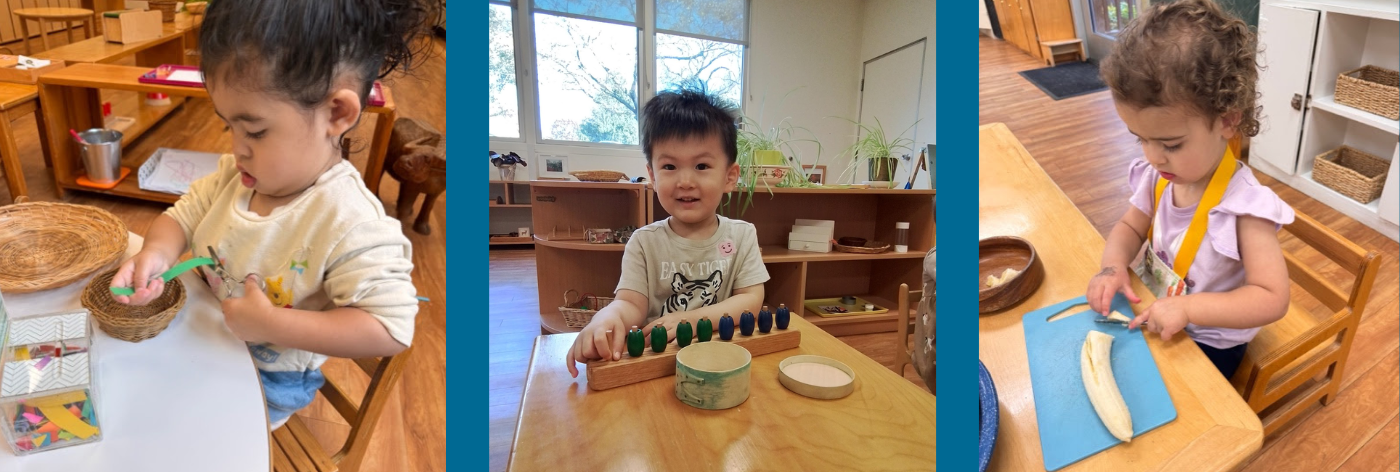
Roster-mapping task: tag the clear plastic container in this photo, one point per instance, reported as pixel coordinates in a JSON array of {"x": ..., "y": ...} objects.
[
  {"x": 901, "y": 236},
  {"x": 47, "y": 384}
]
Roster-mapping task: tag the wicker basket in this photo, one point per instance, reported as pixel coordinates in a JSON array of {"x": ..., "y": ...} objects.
[
  {"x": 598, "y": 175},
  {"x": 873, "y": 247},
  {"x": 127, "y": 322},
  {"x": 167, "y": 9},
  {"x": 1370, "y": 88},
  {"x": 1351, "y": 172},
  {"x": 47, "y": 245},
  {"x": 579, "y": 311}
]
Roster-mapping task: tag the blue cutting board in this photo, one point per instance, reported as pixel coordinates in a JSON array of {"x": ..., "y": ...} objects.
[{"x": 1070, "y": 430}]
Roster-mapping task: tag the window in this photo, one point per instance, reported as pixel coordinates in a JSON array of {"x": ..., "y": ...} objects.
[
  {"x": 1111, "y": 16},
  {"x": 590, "y": 55},
  {"x": 505, "y": 108}
]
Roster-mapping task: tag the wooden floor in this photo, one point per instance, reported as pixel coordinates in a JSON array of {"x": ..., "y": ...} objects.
[
  {"x": 409, "y": 437},
  {"x": 515, "y": 322},
  {"x": 1086, "y": 150}
]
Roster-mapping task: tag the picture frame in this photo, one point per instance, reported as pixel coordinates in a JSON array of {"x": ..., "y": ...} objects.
[
  {"x": 553, "y": 167},
  {"x": 815, "y": 175}
]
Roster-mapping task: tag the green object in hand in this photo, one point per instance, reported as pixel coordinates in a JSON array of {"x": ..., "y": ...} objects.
[
  {"x": 169, "y": 275},
  {"x": 636, "y": 342},
  {"x": 705, "y": 329},
  {"x": 658, "y": 339},
  {"x": 683, "y": 334}
]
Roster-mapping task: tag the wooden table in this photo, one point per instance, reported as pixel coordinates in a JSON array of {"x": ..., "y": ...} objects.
[
  {"x": 71, "y": 101},
  {"x": 1214, "y": 429},
  {"x": 169, "y": 48},
  {"x": 888, "y": 423},
  {"x": 187, "y": 399},
  {"x": 42, "y": 15},
  {"x": 16, "y": 101}
]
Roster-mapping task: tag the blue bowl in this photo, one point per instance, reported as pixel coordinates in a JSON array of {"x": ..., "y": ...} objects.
[{"x": 989, "y": 417}]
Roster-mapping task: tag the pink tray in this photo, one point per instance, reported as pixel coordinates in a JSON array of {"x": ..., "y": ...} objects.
[{"x": 376, "y": 94}]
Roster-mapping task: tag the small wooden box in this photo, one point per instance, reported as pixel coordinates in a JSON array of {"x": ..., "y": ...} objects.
[
  {"x": 809, "y": 246},
  {"x": 128, "y": 27},
  {"x": 8, "y": 73}
]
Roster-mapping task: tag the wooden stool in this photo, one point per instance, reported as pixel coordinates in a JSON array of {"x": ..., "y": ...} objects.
[
  {"x": 1050, "y": 49},
  {"x": 65, "y": 15}
]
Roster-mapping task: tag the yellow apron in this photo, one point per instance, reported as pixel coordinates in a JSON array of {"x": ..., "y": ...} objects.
[{"x": 1166, "y": 281}]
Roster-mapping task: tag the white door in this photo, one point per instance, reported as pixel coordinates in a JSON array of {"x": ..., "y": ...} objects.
[
  {"x": 1390, "y": 200},
  {"x": 889, "y": 92},
  {"x": 1287, "y": 35}
]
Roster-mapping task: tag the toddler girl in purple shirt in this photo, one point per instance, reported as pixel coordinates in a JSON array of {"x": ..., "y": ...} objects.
[{"x": 1183, "y": 77}]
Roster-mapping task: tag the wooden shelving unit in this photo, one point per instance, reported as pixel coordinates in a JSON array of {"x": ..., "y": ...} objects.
[
  {"x": 513, "y": 213},
  {"x": 795, "y": 276}
]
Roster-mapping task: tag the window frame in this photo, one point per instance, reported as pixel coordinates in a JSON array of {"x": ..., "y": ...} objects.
[{"x": 527, "y": 82}]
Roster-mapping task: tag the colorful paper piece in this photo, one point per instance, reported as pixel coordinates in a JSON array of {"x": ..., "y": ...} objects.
[
  {"x": 33, "y": 418},
  {"x": 22, "y": 353},
  {"x": 41, "y": 439},
  {"x": 68, "y": 422},
  {"x": 48, "y": 427},
  {"x": 76, "y": 396}
]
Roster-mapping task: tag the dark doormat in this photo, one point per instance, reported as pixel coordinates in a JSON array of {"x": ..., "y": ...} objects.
[{"x": 1066, "y": 80}]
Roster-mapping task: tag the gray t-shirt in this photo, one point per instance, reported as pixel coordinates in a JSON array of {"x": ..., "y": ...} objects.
[{"x": 679, "y": 274}]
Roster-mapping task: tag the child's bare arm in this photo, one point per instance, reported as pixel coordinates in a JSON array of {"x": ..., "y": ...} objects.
[
  {"x": 341, "y": 332},
  {"x": 1123, "y": 242},
  {"x": 1263, "y": 298},
  {"x": 748, "y": 298},
  {"x": 594, "y": 342}
]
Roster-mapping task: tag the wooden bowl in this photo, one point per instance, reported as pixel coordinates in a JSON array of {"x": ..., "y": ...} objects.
[
  {"x": 995, "y": 255},
  {"x": 817, "y": 377}
]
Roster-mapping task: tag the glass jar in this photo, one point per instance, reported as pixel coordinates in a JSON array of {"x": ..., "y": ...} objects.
[{"x": 901, "y": 236}]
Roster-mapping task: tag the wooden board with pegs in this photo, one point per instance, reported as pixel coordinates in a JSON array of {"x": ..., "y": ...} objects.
[{"x": 604, "y": 374}]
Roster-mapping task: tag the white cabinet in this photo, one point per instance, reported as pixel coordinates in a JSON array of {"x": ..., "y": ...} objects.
[
  {"x": 1390, "y": 201},
  {"x": 1305, "y": 45}
]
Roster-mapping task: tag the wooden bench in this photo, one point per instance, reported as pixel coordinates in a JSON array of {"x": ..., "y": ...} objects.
[{"x": 1051, "y": 49}]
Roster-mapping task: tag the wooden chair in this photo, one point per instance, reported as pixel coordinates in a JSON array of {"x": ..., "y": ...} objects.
[
  {"x": 903, "y": 354},
  {"x": 1287, "y": 354},
  {"x": 295, "y": 449}
]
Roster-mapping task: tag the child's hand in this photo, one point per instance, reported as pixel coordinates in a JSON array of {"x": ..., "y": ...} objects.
[
  {"x": 671, "y": 321},
  {"x": 1107, "y": 283},
  {"x": 145, "y": 266},
  {"x": 1166, "y": 315},
  {"x": 603, "y": 338},
  {"x": 246, "y": 316}
]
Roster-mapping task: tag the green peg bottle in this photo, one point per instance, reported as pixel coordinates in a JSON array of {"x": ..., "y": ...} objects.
[
  {"x": 658, "y": 339},
  {"x": 705, "y": 329},
  {"x": 683, "y": 333},
  {"x": 636, "y": 342}
]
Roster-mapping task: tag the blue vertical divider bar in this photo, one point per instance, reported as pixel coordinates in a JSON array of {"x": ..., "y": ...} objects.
[
  {"x": 466, "y": 257},
  {"x": 957, "y": 235}
]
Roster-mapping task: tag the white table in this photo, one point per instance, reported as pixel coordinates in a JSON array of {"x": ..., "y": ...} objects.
[{"x": 187, "y": 399}]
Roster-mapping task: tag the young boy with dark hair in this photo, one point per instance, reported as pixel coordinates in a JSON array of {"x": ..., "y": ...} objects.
[{"x": 694, "y": 263}]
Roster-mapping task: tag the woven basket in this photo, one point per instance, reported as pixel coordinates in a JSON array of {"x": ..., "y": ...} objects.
[
  {"x": 1370, "y": 88},
  {"x": 872, "y": 247},
  {"x": 167, "y": 9},
  {"x": 127, "y": 322},
  {"x": 47, "y": 245},
  {"x": 579, "y": 311},
  {"x": 1356, "y": 174},
  {"x": 598, "y": 175}
]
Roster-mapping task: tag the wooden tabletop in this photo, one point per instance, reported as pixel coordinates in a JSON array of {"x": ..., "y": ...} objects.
[
  {"x": 98, "y": 49},
  {"x": 888, "y": 423},
  {"x": 12, "y": 94},
  {"x": 1214, "y": 429},
  {"x": 52, "y": 13}
]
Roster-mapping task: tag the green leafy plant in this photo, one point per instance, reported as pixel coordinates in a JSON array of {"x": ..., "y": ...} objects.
[
  {"x": 875, "y": 146},
  {"x": 752, "y": 136}
]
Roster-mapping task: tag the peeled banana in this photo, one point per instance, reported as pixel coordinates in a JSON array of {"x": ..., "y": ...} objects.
[
  {"x": 1006, "y": 275},
  {"x": 1116, "y": 316},
  {"x": 1102, "y": 388}
]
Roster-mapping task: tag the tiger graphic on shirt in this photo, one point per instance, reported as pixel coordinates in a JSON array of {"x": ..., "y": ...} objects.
[{"x": 692, "y": 294}]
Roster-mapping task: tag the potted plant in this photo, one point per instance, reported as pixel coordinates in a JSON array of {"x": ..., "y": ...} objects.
[
  {"x": 766, "y": 159},
  {"x": 874, "y": 147},
  {"x": 506, "y": 164}
]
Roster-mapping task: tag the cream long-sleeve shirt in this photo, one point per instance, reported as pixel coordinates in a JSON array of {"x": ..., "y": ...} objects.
[{"x": 333, "y": 246}]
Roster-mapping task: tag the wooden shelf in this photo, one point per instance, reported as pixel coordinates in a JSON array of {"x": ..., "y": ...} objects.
[
  {"x": 581, "y": 245},
  {"x": 510, "y": 205},
  {"x": 859, "y": 324},
  {"x": 552, "y": 322},
  {"x": 147, "y": 116},
  {"x": 512, "y": 240},
  {"x": 602, "y": 185},
  {"x": 843, "y": 191},
  {"x": 782, "y": 254}
]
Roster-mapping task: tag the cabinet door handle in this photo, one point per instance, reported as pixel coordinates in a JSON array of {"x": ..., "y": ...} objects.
[{"x": 1297, "y": 102}]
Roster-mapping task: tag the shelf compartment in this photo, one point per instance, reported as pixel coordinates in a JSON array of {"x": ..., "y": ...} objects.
[{"x": 581, "y": 246}]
